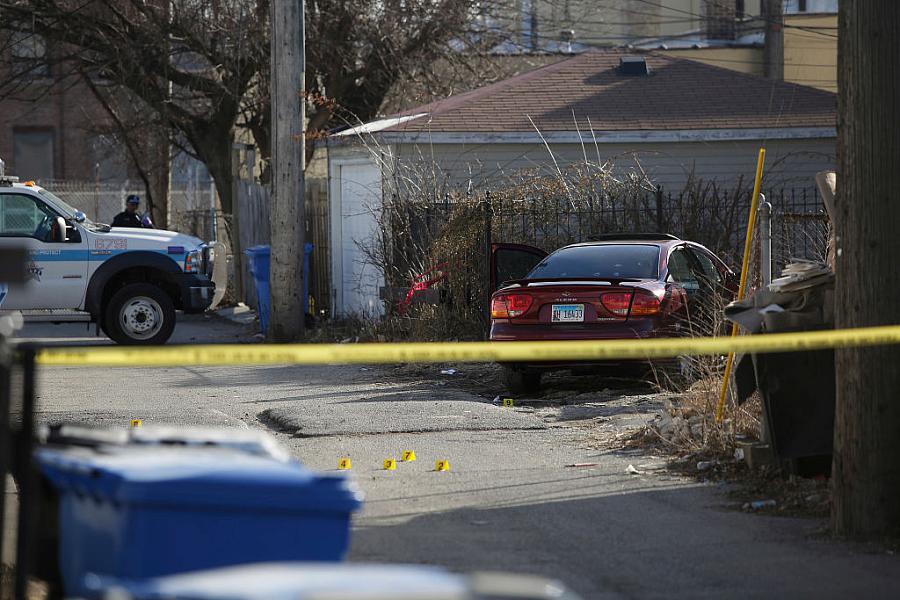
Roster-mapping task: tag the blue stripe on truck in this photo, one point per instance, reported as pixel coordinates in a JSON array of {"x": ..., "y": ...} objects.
[{"x": 92, "y": 255}]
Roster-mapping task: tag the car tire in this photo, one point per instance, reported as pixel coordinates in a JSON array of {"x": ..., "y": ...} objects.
[
  {"x": 139, "y": 314},
  {"x": 520, "y": 381}
]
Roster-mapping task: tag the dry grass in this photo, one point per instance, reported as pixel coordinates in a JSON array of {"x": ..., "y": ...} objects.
[
  {"x": 688, "y": 425},
  {"x": 693, "y": 427}
]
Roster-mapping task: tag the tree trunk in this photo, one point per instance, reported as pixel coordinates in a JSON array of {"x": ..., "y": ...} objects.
[
  {"x": 218, "y": 160},
  {"x": 286, "y": 276},
  {"x": 159, "y": 152},
  {"x": 866, "y": 482}
]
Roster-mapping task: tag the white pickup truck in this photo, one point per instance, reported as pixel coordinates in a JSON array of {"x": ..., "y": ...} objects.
[{"x": 128, "y": 281}]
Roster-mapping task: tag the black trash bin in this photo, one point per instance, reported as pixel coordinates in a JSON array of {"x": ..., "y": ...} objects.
[{"x": 798, "y": 391}]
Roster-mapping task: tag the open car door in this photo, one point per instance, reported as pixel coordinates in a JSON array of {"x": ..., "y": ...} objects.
[{"x": 512, "y": 261}]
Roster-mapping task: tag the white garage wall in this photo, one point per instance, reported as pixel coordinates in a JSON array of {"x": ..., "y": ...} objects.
[
  {"x": 790, "y": 163},
  {"x": 355, "y": 202}
]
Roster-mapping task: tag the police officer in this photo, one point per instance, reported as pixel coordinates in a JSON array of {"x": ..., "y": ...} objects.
[{"x": 129, "y": 216}]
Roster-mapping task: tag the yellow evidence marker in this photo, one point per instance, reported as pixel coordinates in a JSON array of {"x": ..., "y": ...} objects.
[
  {"x": 442, "y": 465},
  {"x": 136, "y": 423},
  {"x": 390, "y": 464},
  {"x": 408, "y": 456},
  {"x": 507, "y": 402},
  {"x": 345, "y": 464}
]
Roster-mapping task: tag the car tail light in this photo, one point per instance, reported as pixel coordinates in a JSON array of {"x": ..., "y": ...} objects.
[
  {"x": 621, "y": 304},
  {"x": 644, "y": 305},
  {"x": 509, "y": 306},
  {"x": 616, "y": 302}
]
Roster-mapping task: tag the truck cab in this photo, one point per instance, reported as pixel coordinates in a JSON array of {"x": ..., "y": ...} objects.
[{"x": 128, "y": 281}]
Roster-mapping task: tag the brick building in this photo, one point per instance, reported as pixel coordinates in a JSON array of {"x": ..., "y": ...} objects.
[{"x": 51, "y": 128}]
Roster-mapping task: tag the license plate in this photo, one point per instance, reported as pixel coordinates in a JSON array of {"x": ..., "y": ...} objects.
[{"x": 567, "y": 313}]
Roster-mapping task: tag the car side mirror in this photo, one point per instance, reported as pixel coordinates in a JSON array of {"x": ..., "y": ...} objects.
[
  {"x": 80, "y": 216},
  {"x": 63, "y": 228}
]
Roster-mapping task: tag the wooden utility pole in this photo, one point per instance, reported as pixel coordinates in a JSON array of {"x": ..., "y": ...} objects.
[
  {"x": 773, "y": 49},
  {"x": 866, "y": 473},
  {"x": 288, "y": 163}
]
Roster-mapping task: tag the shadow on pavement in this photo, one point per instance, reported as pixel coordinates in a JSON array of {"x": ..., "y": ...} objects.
[{"x": 646, "y": 544}]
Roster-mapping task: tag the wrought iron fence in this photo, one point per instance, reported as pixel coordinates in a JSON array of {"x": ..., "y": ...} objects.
[{"x": 714, "y": 217}]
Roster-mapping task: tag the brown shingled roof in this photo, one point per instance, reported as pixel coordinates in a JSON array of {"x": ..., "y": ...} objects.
[{"x": 678, "y": 94}]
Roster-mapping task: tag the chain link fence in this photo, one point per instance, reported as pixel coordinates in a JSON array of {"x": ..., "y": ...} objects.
[{"x": 189, "y": 211}]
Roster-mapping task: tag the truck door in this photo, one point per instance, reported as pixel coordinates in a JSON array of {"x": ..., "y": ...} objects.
[{"x": 56, "y": 273}]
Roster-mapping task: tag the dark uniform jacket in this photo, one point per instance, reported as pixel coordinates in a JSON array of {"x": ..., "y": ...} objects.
[{"x": 127, "y": 219}]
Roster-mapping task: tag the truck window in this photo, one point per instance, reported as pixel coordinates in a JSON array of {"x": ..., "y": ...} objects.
[{"x": 22, "y": 216}]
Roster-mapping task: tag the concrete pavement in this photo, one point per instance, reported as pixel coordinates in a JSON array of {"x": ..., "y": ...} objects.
[{"x": 509, "y": 501}]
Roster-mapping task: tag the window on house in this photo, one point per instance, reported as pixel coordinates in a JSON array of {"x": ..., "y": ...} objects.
[
  {"x": 810, "y": 6},
  {"x": 33, "y": 152},
  {"x": 29, "y": 55},
  {"x": 719, "y": 20}
]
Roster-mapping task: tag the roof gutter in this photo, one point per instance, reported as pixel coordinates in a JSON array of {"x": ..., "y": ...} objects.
[{"x": 606, "y": 137}]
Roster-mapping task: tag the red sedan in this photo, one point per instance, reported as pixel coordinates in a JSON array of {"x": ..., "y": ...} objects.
[{"x": 617, "y": 287}]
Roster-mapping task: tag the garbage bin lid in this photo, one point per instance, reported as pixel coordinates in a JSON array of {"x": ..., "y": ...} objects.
[
  {"x": 199, "y": 477},
  {"x": 245, "y": 440},
  {"x": 262, "y": 249},
  {"x": 320, "y": 581},
  {"x": 296, "y": 581}
]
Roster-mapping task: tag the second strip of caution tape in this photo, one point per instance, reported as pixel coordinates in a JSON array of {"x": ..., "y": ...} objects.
[{"x": 436, "y": 352}]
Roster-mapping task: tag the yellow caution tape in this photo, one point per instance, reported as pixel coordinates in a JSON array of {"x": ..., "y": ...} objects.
[{"x": 588, "y": 350}]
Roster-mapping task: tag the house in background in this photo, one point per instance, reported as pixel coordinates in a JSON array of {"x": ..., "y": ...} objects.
[
  {"x": 679, "y": 118},
  {"x": 734, "y": 39},
  {"x": 724, "y": 33}
]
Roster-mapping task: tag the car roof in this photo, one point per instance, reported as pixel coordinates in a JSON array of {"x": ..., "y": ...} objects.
[{"x": 629, "y": 242}]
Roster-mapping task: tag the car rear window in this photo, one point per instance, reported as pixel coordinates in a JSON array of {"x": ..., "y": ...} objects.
[{"x": 623, "y": 261}]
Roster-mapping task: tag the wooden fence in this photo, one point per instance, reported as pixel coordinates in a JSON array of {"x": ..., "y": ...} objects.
[{"x": 253, "y": 204}]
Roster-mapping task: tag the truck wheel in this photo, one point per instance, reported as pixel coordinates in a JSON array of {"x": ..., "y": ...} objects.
[
  {"x": 521, "y": 382},
  {"x": 140, "y": 313}
]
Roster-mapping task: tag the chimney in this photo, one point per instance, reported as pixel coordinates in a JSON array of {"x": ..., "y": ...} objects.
[
  {"x": 719, "y": 18},
  {"x": 566, "y": 38}
]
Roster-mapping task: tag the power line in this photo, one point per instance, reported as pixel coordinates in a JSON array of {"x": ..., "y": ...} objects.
[{"x": 750, "y": 17}]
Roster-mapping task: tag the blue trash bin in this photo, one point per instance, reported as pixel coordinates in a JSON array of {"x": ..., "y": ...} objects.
[
  {"x": 260, "y": 258},
  {"x": 136, "y": 512},
  {"x": 260, "y": 261}
]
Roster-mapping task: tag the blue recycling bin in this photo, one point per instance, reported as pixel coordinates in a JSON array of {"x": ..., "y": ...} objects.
[
  {"x": 136, "y": 512},
  {"x": 260, "y": 260}
]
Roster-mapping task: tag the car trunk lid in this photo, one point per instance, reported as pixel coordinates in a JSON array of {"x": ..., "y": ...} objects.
[{"x": 579, "y": 303}]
